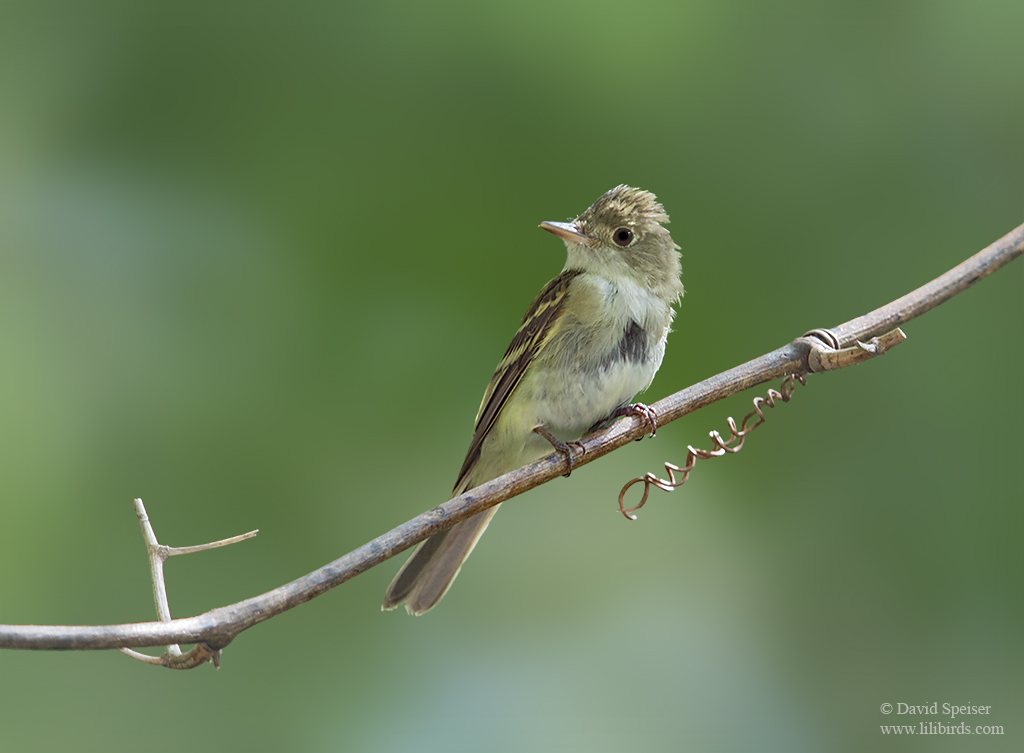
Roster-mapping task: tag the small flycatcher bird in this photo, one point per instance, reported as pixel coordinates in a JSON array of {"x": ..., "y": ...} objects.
[{"x": 592, "y": 340}]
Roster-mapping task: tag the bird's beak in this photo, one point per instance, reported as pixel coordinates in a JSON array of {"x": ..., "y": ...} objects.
[{"x": 566, "y": 231}]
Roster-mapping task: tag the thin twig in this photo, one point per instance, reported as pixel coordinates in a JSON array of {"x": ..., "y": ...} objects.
[
  {"x": 218, "y": 627},
  {"x": 173, "y": 550}
]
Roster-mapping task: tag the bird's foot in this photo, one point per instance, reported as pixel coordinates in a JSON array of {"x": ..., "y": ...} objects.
[
  {"x": 565, "y": 448},
  {"x": 646, "y": 412}
]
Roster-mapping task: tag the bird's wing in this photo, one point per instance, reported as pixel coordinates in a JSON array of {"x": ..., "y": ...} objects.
[{"x": 532, "y": 335}]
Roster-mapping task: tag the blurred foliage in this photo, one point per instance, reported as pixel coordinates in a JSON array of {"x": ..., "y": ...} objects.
[{"x": 258, "y": 260}]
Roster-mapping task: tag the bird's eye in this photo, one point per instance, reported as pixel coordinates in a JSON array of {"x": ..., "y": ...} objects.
[{"x": 623, "y": 236}]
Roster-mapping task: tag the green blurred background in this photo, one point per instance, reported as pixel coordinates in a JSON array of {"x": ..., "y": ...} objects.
[{"x": 258, "y": 261}]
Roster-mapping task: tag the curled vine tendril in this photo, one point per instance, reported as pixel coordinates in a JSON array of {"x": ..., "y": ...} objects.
[{"x": 721, "y": 446}]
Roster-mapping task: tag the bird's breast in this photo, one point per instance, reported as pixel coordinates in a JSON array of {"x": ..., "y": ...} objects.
[{"x": 606, "y": 349}]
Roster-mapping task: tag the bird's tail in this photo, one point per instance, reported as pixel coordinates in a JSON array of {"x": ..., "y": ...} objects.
[{"x": 429, "y": 572}]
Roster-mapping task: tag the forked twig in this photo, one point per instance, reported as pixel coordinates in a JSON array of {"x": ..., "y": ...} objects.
[{"x": 173, "y": 657}]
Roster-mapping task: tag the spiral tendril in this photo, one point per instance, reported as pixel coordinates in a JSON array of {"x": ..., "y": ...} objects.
[{"x": 721, "y": 446}]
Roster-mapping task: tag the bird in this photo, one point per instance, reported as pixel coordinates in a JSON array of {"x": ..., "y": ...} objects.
[{"x": 594, "y": 337}]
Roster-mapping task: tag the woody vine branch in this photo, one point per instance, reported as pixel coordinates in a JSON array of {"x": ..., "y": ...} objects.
[{"x": 217, "y": 628}]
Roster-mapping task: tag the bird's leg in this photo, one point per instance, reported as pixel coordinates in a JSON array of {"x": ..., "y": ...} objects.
[{"x": 565, "y": 448}]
